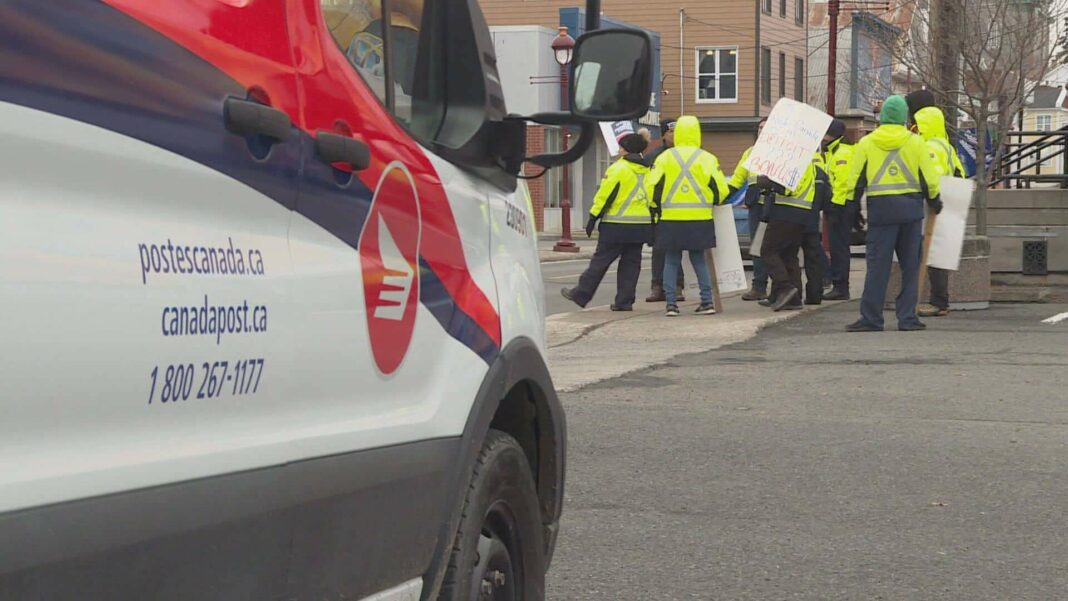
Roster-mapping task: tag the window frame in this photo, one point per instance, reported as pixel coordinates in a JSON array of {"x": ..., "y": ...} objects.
[
  {"x": 699, "y": 51},
  {"x": 389, "y": 103},
  {"x": 799, "y": 79},
  {"x": 1049, "y": 123},
  {"x": 782, "y": 8},
  {"x": 799, "y": 12},
  {"x": 782, "y": 75},
  {"x": 765, "y": 75},
  {"x": 766, "y": 6}
]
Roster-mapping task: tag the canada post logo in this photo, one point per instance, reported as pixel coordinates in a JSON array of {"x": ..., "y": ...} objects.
[{"x": 389, "y": 260}]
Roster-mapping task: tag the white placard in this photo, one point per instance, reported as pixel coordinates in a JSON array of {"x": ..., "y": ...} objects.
[
  {"x": 730, "y": 272},
  {"x": 947, "y": 241},
  {"x": 609, "y": 138},
  {"x": 790, "y": 138}
]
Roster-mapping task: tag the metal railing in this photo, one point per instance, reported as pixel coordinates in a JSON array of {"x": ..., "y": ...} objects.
[{"x": 1031, "y": 157}]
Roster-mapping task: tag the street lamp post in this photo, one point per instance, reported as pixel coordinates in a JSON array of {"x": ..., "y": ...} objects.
[{"x": 563, "y": 48}]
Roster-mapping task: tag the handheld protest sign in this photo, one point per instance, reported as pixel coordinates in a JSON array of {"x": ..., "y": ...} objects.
[
  {"x": 791, "y": 135},
  {"x": 730, "y": 270},
  {"x": 947, "y": 238}
]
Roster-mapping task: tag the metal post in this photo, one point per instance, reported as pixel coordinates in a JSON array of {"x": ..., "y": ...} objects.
[
  {"x": 593, "y": 15},
  {"x": 566, "y": 244},
  {"x": 832, "y": 84},
  {"x": 832, "y": 56}
]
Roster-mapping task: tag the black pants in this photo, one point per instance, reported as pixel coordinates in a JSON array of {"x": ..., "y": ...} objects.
[
  {"x": 630, "y": 267},
  {"x": 815, "y": 260},
  {"x": 782, "y": 241},
  {"x": 939, "y": 287},
  {"x": 840, "y": 226},
  {"x": 658, "y": 271}
]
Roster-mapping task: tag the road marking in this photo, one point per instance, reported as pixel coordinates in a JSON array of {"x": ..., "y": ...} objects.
[{"x": 1056, "y": 318}]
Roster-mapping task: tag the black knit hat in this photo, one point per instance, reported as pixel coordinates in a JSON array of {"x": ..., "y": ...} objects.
[
  {"x": 837, "y": 129},
  {"x": 634, "y": 143},
  {"x": 920, "y": 99}
]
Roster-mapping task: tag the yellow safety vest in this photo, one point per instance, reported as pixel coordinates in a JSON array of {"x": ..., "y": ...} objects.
[
  {"x": 687, "y": 173},
  {"x": 804, "y": 197},
  {"x": 632, "y": 201},
  {"x": 837, "y": 160}
]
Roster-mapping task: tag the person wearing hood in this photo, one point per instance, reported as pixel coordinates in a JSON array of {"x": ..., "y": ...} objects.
[
  {"x": 656, "y": 295},
  {"x": 841, "y": 212},
  {"x": 931, "y": 125},
  {"x": 895, "y": 168},
  {"x": 754, "y": 201},
  {"x": 690, "y": 185},
  {"x": 622, "y": 206}
]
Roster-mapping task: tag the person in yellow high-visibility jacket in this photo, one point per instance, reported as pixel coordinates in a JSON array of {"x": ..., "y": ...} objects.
[
  {"x": 791, "y": 215},
  {"x": 691, "y": 184},
  {"x": 622, "y": 205},
  {"x": 742, "y": 176},
  {"x": 894, "y": 167},
  {"x": 842, "y": 211},
  {"x": 931, "y": 124}
]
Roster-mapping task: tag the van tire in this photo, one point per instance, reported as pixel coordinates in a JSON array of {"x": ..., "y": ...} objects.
[{"x": 498, "y": 553}]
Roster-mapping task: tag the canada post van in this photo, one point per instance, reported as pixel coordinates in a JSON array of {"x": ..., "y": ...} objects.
[{"x": 270, "y": 304}]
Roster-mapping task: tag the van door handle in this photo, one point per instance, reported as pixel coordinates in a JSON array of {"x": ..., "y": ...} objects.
[
  {"x": 247, "y": 118},
  {"x": 335, "y": 148}
]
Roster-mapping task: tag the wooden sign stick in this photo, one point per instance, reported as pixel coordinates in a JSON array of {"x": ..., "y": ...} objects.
[
  {"x": 928, "y": 233},
  {"x": 711, "y": 261}
]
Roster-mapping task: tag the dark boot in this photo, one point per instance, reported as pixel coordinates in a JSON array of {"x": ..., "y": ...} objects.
[
  {"x": 836, "y": 295},
  {"x": 657, "y": 295},
  {"x": 786, "y": 298},
  {"x": 754, "y": 295},
  {"x": 569, "y": 294}
]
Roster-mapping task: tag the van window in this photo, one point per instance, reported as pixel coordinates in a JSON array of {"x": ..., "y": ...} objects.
[{"x": 405, "y": 68}]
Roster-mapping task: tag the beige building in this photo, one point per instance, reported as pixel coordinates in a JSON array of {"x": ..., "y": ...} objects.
[{"x": 725, "y": 62}]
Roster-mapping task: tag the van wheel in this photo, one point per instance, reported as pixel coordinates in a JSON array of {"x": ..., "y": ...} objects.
[{"x": 498, "y": 553}]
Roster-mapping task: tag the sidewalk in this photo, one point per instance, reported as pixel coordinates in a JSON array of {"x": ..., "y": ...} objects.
[
  {"x": 597, "y": 344},
  {"x": 547, "y": 255}
]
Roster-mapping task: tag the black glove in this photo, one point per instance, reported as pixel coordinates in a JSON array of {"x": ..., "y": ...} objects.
[
  {"x": 935, "y": 205},
  {"x": 590, "y": 226},
  {"x": 764, "y": 183}
]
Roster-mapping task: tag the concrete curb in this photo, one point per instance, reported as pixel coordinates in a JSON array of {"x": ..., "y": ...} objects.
[{"x": 549, "y": 256}]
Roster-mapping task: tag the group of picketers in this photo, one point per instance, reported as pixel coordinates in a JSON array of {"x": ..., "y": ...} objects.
[{"x": 666, "y": 199}]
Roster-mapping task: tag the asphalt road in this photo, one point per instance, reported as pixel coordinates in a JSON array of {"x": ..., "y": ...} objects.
[
  {"x": 808, "y": 463},
  {"x": 563, "y": 274}
]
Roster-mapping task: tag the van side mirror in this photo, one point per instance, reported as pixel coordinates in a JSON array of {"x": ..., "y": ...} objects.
[
  {"x": 613, "y": 81},
  {"x": 612, "y": 76}
]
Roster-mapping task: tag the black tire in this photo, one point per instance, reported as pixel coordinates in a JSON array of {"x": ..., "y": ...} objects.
[{"x": 498, "y": 553}]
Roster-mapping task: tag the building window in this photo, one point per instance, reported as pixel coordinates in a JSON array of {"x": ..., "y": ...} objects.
[
  {"x": 782, "y": 75},
  {"x": 717, "y": 74},
  {"x": 799, "y": 79},
  {"x": 765, "y": 75},
  {"x": 765, "y": 5},
  {"x": 554, "y": 183},
  {"x": 782, "y": 8},
  {"x": 1044, "y": 122},
  {"x": 799, "y": 15}
]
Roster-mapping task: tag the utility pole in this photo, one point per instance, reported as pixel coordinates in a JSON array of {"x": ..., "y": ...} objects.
[{"x": 832, "y": 55}]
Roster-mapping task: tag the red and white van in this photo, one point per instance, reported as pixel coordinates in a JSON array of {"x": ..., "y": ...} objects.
[{"x": 270, "y": 303}]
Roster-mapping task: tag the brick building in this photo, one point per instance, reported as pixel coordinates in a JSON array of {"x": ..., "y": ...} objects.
[{"x": 726, "y": 62}]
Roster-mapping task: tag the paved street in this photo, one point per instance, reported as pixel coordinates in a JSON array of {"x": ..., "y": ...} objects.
[{"x": 808, "y": 463}]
